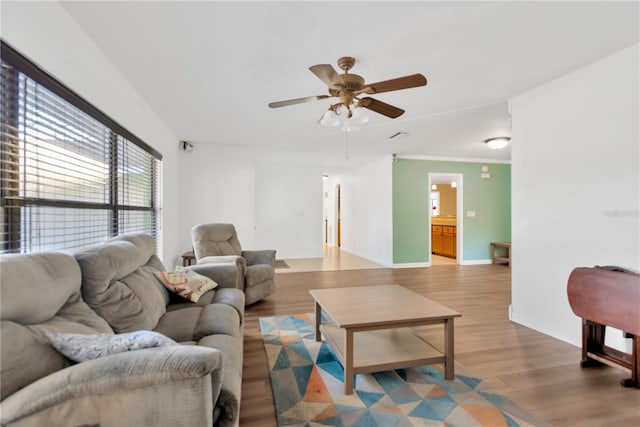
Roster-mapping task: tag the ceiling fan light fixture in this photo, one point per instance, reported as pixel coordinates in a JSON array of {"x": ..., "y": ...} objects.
[
  {"x": 359, "y": 116},
  {"x": 340, "y": 109},
  {"x": 330, "y": 119},
  {"x": 350, "y": 126},
  {"x": 498, "y": 142}
]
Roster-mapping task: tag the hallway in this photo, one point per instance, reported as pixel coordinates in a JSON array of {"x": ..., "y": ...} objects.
[
  {"x": 334, "y": 259},
  {"x": 337, "y": 259}
]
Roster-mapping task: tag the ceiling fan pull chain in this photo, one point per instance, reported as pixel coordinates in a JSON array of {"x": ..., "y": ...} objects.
[{"x": 346, "y": 145}]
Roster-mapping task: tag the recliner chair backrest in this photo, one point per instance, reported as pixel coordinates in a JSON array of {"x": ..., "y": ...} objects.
[{"x": 215, "y": 240}]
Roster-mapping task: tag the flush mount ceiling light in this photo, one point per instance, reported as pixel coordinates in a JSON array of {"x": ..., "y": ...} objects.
[{"x": 498, "y": 142}]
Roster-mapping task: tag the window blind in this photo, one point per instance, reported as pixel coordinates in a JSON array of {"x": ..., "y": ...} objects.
[{"x": 71, "y": 176}]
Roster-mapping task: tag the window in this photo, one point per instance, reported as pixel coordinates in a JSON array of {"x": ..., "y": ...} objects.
[
  {"x": 70, "y": 175},
  {"x": 435, "y": 203}
]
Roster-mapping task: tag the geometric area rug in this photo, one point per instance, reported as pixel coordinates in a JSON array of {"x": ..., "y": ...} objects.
[{"x": 307, "y": 386}]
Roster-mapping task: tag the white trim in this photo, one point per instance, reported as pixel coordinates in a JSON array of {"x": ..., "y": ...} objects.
[
  {"x": 459, "y": 219},
  {"x": 476, "y": 262},
  {"x": 452, "y": 159},
  {"x": 412, "y": 265}
]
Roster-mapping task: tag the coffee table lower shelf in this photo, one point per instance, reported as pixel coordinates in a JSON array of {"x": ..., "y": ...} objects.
[{"x": 381, "y": 350}]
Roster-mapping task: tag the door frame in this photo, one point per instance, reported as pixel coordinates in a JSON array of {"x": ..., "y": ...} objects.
[
  {"x": 338, "y": 224},
  {"x": 458, "y": 177}
]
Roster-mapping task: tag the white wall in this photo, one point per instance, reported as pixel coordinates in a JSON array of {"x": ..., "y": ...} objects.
[
  {"x": 575, "y": 187},
  {"x": 274, "y": 204},
  {"x": 218, "y": 186},
  {"x": 46, "y": 34},
  {"x": 289, "y": 209},
  {"x": 366, "y": 212}
]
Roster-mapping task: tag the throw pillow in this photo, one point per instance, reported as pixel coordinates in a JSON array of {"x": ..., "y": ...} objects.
[
  {"x": 186, "y": 283},
  {"x": 82, "y": 347}
]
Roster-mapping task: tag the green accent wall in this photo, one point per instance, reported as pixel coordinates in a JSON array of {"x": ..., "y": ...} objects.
[{"x": 489, "y": 198}]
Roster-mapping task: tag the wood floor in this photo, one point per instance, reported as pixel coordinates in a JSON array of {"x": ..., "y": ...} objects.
[{"x": 538, "y": 372}]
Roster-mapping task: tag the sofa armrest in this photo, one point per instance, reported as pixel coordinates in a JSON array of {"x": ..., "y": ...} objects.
[
  {"x": 266, "y": 256},
  {"x": 135, "y": 386},
  {"x": 226, "y": 275}
]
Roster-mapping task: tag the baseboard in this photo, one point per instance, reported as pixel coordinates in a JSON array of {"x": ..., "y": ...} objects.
[
  {"x": 412, "y": 265},
  {"x": 428, "y": 264},
  {"x": 476, "y": 262}
]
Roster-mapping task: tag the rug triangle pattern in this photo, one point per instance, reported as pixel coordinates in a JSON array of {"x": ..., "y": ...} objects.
[{"x": 306, "y": 380}]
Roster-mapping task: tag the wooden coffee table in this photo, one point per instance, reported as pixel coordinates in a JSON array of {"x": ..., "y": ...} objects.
[{"x": 370, "y": 329}]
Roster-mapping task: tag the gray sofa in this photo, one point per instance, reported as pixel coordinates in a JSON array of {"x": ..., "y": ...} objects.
[{"x": 110, "y": 288}]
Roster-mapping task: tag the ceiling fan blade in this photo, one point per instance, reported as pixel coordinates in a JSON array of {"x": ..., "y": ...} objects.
[
  {"x": 279, "y": 104},
  {"x": 406, "y": 82},
  {"x": 381, "y": 107},
  {"x": 326, "y": 73}
]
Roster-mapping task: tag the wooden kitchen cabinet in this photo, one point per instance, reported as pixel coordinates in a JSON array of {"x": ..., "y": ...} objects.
[
  {"x": 449, "y": 241},
  {"x": 443, "y": 240},
  {"x": 436, "y": 239}
]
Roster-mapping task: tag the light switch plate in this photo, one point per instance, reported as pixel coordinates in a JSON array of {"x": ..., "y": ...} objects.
[
  {"x": 485, "y": 175},
  {"x": 471, "y": 214}
]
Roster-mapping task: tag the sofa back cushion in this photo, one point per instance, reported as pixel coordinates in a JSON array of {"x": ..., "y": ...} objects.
[
  {"x": 215, "y": 240},
  {"x": 40, "y": 294},
  {"x": 118, "y": 282}
]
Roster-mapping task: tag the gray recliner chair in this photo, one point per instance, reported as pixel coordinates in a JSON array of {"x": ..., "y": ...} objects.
[{"x": 218, "y": 243}]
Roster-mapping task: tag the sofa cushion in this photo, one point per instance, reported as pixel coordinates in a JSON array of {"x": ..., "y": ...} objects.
[
  {"x": 179, "y": 324},
  {"x": 26, "y": 357},
  {"x": 83, "y": 347},
  {"x": 118, "y": 282},
  {"x": 217, "y": 319},
  {"x": 35, "y": 287},
  {"x": 40, "y": 294},
  {"x": 195, "y": 322}
]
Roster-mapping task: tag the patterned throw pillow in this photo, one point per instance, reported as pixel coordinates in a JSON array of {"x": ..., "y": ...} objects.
[
  {"x": 82, "y": 347},
  {"x": 186, "y": 283}
]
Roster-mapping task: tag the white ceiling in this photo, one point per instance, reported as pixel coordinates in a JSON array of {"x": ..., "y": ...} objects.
[{"x": 209, "y": 69}]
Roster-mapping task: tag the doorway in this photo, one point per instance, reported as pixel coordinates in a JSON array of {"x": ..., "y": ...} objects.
[
  {"x": 331, "y": 212},
  {"x": 445, "y": 218}
]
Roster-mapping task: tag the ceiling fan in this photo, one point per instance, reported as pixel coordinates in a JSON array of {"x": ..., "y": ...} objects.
[{"x": 348, "y": 87}]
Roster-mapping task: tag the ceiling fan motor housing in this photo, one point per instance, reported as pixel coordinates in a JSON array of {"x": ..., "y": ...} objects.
[
  {"x": 351, "y": 82},
  {"x": 346, "y": 81}
]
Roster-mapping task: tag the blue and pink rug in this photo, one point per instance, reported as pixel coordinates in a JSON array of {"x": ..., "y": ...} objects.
[{"x": 306, "y": 379}]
